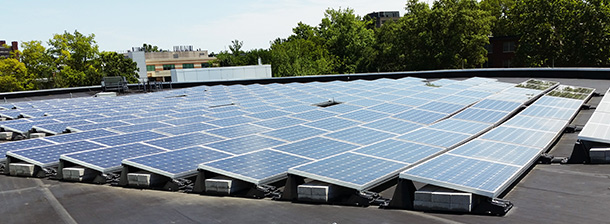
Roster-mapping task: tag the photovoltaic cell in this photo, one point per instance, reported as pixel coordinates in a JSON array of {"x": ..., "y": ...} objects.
[
  {"x": 538, "y": 139},
  {"x": 460, "y": 126},
  {"x": 420, "y": 116},
  {"x": 176, "y": 164},
  {"x": 108, "y": 160},
  {"x": 18, "y": 145},
  {"x": 294, "y": 133},
  {"x": 364, "y": 115},
  {"x": 141, "y": 127},
  {"x": 497, "y": 152},
  {"x": 245, "y": 144},
  {"x": 400, "y": 151},
  {"x": 45, "y": 156},
  {"x": 280, "y": 122},
  {"x": 481, "y": 115},
  {"x": 183, "y": 141},
  {"x": 259, "y": 167},
  {"x": 128, "y": 138},
  {"x": 393, "y": 125},
  {"x": 316, "y": 148},
  {"x": 360, "y": 135},
  {"x": 435, "y": 137},
  {"x": 499, "y": 105},
  {"x": 78, "y": 136}
]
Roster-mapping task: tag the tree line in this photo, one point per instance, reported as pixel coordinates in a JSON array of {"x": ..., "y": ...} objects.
[
  {"x": 448, "y": 34},
  {"x": 445, "y": 35},
  {"x": 72, "y": 59}
]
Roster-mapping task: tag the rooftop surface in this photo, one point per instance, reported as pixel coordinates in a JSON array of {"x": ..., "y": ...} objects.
[{"x": 547, "y": 193}]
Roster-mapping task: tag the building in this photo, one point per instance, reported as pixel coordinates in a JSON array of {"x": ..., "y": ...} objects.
[
  {"x": 157, "y": 65},
  {"x": 6, "y": 52},
  {"x": 501, "y": 51},
  {"x": 381, "y": 17}
]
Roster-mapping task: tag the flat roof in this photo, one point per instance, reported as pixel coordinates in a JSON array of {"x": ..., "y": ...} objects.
[{"x": 566, "y": 193}]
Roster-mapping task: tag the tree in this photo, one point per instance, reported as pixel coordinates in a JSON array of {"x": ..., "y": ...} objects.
[
  {"x": 115, "y": 64},
  {"x": 562, "y": 32},
  {"x": 150, "y": 48},
  {"x": 75, "y": 56},
  {"x": 297, "y": 57},
  {"x": 235, "y": 47},
  {"x": 500, "y": 9},
  {"x": 13, "y": 76},
  {"x": 39, "y": 63},
  {"x": 346, "y": 37}
]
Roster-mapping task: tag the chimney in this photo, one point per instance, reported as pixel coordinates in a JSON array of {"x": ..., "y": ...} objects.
[{"x": 15, "y": 46}]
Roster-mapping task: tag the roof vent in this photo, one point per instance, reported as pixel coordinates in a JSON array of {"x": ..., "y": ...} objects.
[{"x": 330, "y": 102}]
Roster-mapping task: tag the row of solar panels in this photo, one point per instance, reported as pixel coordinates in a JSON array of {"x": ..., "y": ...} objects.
[{"x": 335, "y": 142}]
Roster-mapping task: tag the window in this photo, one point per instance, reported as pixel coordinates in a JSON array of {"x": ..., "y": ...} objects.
[
  {"x": 169, "y": 67},
  {"x": 188, "y": 66},
  {"x": 509, "y": 46},
  {"x": 150, "y": 68},
  {"x": 205, "y": 65}
]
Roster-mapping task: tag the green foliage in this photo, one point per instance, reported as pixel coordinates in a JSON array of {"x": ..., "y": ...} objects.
[
  {"x": 39, "y": 63},
  {"x": 75, "y": 56},
  {"x": 13, "y": 76},
  {"x": 562, "y": 32},
  {"x": 298, "y": 57},
  {"x": 150, "y": 48},
  {"x": 500, "y": 9},
  {"x": 115, "y": 64}
]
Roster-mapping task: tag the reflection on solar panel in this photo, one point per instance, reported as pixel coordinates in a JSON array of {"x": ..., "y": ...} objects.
[
  {"x": 350, "y": 170},
  {"x": 245, "y": 144},
  {"x": 108, "y": 160},
  {"x": 405, "y": 152},
  {"x": 259, "y": 167},
  {"x": 176, "y": 164},
  {"x": 183, "y": 141}
]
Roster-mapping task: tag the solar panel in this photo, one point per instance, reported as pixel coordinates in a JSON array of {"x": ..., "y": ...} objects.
[
  {"x": 269, "y": 114},
  {"x": 497, "y": 152},
  {"x": 176, "y": 164},
  {"x": 107, "y": 160},
  {"x": 237, "y": 131},
  {"x": 78, "y": 136},
  {"x": 466, "y": 174},
  {"x": 481, "y": 115},
  {"x": 538, "y": 139},
  {"x": 57, "y": 128},
  {"x": 147, "y": 119},
  {"x": 560, "y": 102},
  {"x": 187, "y": 120},
  {"x": 350, "y": 170},
  {"x": 188, "y": 128},
  {"x": 128, "y": 138},
  {"x": 342, "y": 108},
  {"x": 498, "y": 105},
  {"x": 280, "y": 122},
  {"x": 420, "y": 116},
  {"x": 435, "y": 137},
  {"x": 316, "y": 148},
  {"x": 466, "y": 127},
  {"x": 537, "y": 123},
  {"x": 332, "y": 124},
  {"x": 294, "y": 133},
  {"x": 24, "y": 127},
  {"x": 360, "y": 135},
  {"x": 231, "y": 121},
  {"x": 18, "y": 145},
  {"x": 549, "y": 112},
  {"x": 88, "y": 127},
  {"x": 259, "y": 167},
  {"x": 46, "y": 156},
  {"x": 411, "y": 101},
  {"x": 395, "y": 126},
  {"x": 462, "y": 100},
  {"x": 441, "y": 107},
  {"x": 183, "y": 141},
  {"x": 140, "y": 127},
  {"x": 313, "y": 115},
  {"x": 400, "y": 151},
  {"x": 245, "y": 144}
]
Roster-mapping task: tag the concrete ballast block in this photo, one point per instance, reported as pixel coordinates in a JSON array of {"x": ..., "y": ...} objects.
[
  {"x": 37, "y": 135},
  {"x": 6, "y": 135},
  {"x": 224, "y": 185},
  {"x": 21, "y": 169}
]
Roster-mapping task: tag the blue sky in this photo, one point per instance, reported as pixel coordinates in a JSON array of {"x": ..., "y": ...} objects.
[{"x": 211, "y": 25}]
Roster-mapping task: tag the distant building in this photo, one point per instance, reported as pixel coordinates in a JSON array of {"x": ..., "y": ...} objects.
[
  {"x": 157, "y": 65},
  {"x": 501, "y": 51},
  {"x": 381, "y": 17},
  {"x": 6, "y": 52}
]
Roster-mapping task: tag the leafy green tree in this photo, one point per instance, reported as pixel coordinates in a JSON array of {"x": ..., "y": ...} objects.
[
  {"x": 298, "y": 57},
  {"x": 500, "y": 9},
  {"x": 13, "y": 76},
  {"x": 75, "y": 56},
  {"x": 39, "y": 63},
  {"x": 115, "y": 64},
  {"x": 150, "y": 48},
  {"x": 562, "y": 32},
  {"x": 346, "y": 37}
]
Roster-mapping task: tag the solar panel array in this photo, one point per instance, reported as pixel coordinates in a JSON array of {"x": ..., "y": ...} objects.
[
  {"x": 259, "y": 133},
  {"x": 490, "y": 163},
  {"x": 597, "y": 129}
]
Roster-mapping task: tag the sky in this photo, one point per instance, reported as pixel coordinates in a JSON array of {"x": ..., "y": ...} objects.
[{"x": 206, "y": 25}]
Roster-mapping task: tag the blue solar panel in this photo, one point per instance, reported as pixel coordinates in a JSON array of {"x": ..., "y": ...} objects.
[
  {"x": 420, "y": 116},
  {"x": 393, "y": 125},
  {"x": 147, "y": 119},
  {"x": 332, "y": 124},
  {"x": 447, "y": 108},
  {"x": 188, "y": 120},
  {"x": 538, "y": 139},
  {"x": 559, "y": 102},
  {"x": 294, "y": 133},
  {"x": 108, "y": 160},
  {"x": 428, "y": 96},
  {"x": 33, "y": 113},
  {"x": 300, "y": 108},
  {"x": 537, "y": 123},
  {"x": 481, "y": 115},
  {"x": 239, "y": 130},
  {"x": 228, "y": 114},
  {"x": 88, "y": 127},
  {"x": 141, "y": 127},
  {"x": 188, "y": 128},
  {"x": 313, "y": 115},
  {"x": 342, "y": 108},
  {"x": 12, "y": 114},
  {"x": 360, "y": 135},
  {"x": 70, "y": 137},
  {"x": 482, "y": 177},
  {"x": 128, "y": 138},
  {"x": 365, "y": 102},
  {"x": 498, "y": 152},
  {"x": 99, "y": 119},
  {"x": 18, "y": 145},
  {"x": 316, "y": 148},
  {"x": 178, "y": 163},
  {"x": 390, "y": 108},
  {"x": 350, "y": 170},
  {"x": 245, "y": 144},
  {"x": 472, "y": 93},
  {"x": 386, "y": 97},
  {"x": 56, "y": 128},
  {"x": 46, "y": 156},
  {"x": 260, "y": 167},
  {"x": 548, "y": 112},
  {"x": 231, "y": 121},
  {"x": 500, "y": 105},
  {"x": 258, "y": 109},
  {"x": 24, "y": 127},
  {"x": 364, "y": 115},
  {"x": 269, "y": 114},
  {"x": 183, "y": 141},
  {"x": 280, "y": 122},
  {"x": 435, "y": 137},
  {"x": 400, "y": 151},
  {"x": 411, "y": 101},
  {"x": 460, "y": 126}
]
